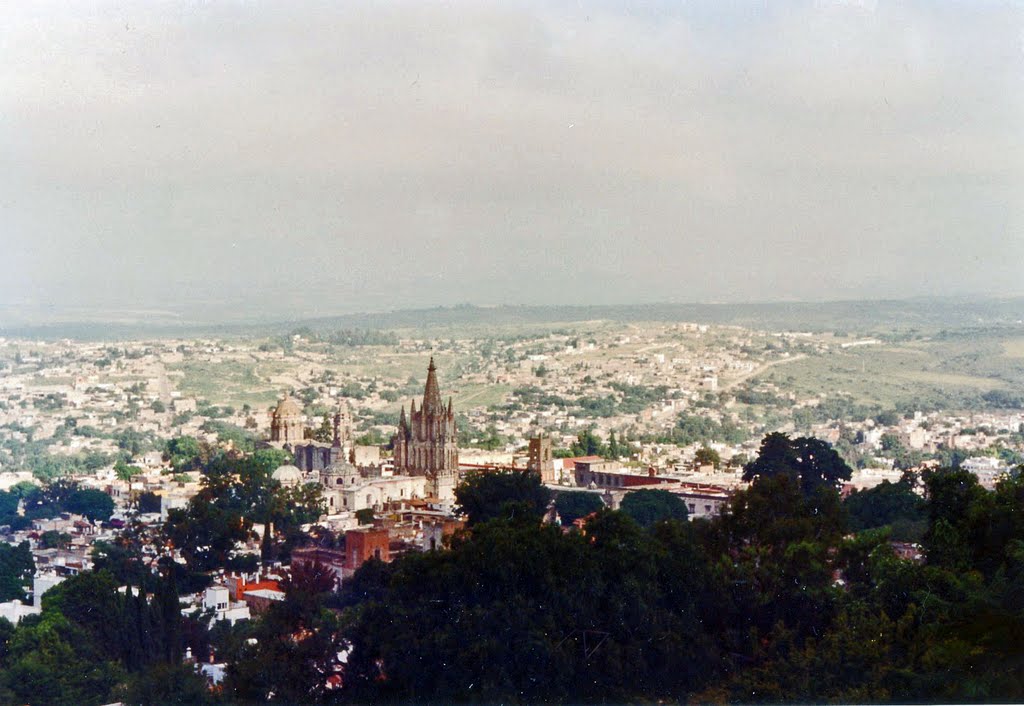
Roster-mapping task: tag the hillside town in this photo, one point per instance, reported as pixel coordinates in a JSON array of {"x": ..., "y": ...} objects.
[{"x": 112, "y": 449}]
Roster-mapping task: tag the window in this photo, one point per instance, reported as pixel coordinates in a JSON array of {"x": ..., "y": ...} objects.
[{"x": 693, "y": 507}]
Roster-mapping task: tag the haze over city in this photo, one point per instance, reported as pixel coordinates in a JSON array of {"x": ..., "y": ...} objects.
[
  {"x": 251, "y": 160},
  {"x": 511, "y": 352}
]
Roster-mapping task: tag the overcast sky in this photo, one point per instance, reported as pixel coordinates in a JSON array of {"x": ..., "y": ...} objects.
[{"x": 308, "y": 158}]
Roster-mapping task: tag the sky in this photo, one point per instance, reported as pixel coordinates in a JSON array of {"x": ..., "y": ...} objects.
[{"x": 239, "y": 160}]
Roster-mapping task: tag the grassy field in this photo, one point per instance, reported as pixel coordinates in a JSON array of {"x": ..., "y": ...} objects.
[
  {"x": 230, "y": 382},
  {"x": 927, "y": 373},
  {"x": 469, "y": 396}
]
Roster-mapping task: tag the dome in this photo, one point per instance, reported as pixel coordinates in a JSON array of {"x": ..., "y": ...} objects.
[
  {"x": 341, "y": 468},
  {"x": 287, "y": 408},
  {"x": 288, "y": 475},
  {"x": 340, "y": 473}
]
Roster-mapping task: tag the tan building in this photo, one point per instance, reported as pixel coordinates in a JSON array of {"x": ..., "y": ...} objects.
[{"x": 286, "y": 426}]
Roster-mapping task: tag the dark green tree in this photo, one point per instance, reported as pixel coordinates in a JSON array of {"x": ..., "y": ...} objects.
[
  {"x": 483, "y": 495},
  {"x": 809, "y": 462},
  {"x": 571, "y": 505},
  {"x": 646, "y": 507},
  {"x": 94, "y": 504},
  {"x": 888, "y": 504},
  {"x": 588, "y": 444},
  {"x": 707, "y": 456},
  {"x": 16, "y": 570}
]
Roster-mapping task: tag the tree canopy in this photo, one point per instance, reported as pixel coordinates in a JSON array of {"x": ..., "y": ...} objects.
[
  {"x": 94, "y": 504},
  {"x": 572, "y": 505},
  {"x": 811, "y": 463},
  {"x": 649, "y": 506},
  {"x": 484, "y": 495}
]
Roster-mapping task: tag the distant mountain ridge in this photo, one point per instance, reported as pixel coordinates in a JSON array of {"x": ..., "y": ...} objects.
[{"x": 853, "y": 316}]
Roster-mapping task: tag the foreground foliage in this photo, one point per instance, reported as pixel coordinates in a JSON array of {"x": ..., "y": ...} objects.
[{"x": 792, "y": 595}]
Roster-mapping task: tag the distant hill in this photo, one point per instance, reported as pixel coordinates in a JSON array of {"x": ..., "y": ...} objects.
[{"x": 931, "y": 314}]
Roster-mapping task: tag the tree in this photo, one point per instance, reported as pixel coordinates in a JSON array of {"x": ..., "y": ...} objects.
[
  {"x": 124, "y": 471},
  {"x": 614, "y": 451},
  {"x": 94, "y": 504},
  {"x": 149, "y": 502},
  {"x": 810, "y": 462},
  {"x": 8, "y": 507},
  {"x": 296, "y": 644},
  {"x": 572, "y": 505},
  {"x": 205, "y": 533},
  {"x": 16, "y": 570},
  {"x": 646, "y": 507},
  {"x": 588, "y": 444},
  {"x": 707, "y": 456},
  {"x": 169, "y": 684},
  {"x": 324, "y": 432},
  {"x": 52, "y": 539},
  {"x": 888, "y": 504},
  {"x": 184, "y": 453},
  {"x": 484, "y": 495}
]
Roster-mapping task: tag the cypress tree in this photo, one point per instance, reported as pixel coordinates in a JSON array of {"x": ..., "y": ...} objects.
[
  {"x": 131, "y": 645},
  {"x": 170, "y": 618},
  {"x": 145, "y": 623}
]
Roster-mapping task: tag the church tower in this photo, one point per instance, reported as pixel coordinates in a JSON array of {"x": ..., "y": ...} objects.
[
  {"x": 286, "y": 425},
  {"x": 426, "y": 442}
]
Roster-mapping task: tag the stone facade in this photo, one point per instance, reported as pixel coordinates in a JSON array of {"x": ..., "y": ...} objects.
[
  {"x": 426, "y": 458},
  {"x": 540, "y": 461},
  {"x": 316, "y": 455},
  {"x": 426, "y": 443},
  {"x": 286, "y": 426}
]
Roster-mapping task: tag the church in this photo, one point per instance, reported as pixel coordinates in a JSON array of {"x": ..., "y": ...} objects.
[
  {"x": 426, "y": 443},
  {"x": 426, "y": 456}
]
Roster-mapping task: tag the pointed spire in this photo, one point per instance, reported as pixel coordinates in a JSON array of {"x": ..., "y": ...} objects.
[
  {"x": 337, "y": 428},
  {"x": 431, "y": 394},
  {"x": 402, "y": 423}
]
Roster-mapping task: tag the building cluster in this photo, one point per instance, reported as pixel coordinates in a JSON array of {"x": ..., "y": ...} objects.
[{"x": 423, "y": 471}]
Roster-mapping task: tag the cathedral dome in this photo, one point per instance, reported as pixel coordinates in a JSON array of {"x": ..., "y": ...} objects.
[
  {"x": 287, "y": 408},
  {"x": 286, "y": 422},
  {"x": 288, "y": 475}
]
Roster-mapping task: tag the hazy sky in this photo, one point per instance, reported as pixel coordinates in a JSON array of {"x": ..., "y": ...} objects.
[{"x": 308, "y": 158}]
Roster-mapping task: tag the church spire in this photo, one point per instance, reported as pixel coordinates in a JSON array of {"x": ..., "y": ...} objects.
[{"x": 431, "y": 393}]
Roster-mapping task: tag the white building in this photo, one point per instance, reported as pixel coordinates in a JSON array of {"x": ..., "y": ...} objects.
[{"x": 217, "y": 599}]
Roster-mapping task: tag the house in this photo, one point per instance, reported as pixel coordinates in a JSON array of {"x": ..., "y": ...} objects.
[{"x": 217, "y": 598}]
